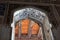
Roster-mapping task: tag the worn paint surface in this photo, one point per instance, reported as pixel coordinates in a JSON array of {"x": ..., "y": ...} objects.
[{"x": 25, "y": 25}]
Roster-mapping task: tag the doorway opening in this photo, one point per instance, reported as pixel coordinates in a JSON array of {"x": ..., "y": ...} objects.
[{"x": 31, "y": 23}]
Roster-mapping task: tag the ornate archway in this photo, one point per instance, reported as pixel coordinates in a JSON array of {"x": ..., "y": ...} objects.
[{"x": 30, "y": 22}]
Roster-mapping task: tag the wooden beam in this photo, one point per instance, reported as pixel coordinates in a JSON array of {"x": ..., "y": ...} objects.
[
  {"x": 6, "y": 13},
  {"x": 1, "y": 19},
  {"x": 54, "y": 11},
  {"x": 29, "y": 3}
]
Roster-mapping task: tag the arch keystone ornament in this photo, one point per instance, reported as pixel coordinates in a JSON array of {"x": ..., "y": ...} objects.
[{"x": 31, "y": 23}]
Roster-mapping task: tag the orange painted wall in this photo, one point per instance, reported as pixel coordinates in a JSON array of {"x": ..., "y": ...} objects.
[{"x": 25, "y": 25}]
